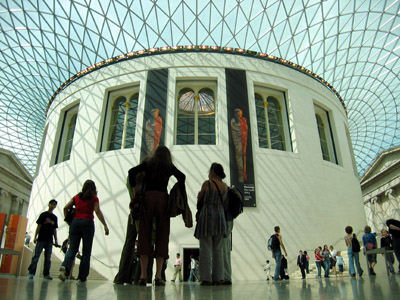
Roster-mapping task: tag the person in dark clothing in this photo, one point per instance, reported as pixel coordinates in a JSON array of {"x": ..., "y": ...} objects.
[
  {"x": 45, "y": 230},
  {"x": 394, "y": 230},
  {"x": 128, "y": 261},
  {"x": 283, "y": 268},
  {"x": 158, "y": 169},
  {"x": 301, "y": 262},
  {"x": 386, "y": 242}
]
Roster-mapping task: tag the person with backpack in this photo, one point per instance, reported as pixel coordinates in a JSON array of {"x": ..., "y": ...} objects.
[
  {"x": 276, "y": 244},
  {"x": 353, "y": 251},
  {"x": 211, "y": 226},
  {"x": 233, "y": 207}
]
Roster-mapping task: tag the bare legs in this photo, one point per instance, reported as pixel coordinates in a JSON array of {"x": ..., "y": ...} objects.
[{"x": 143, "y": 264}]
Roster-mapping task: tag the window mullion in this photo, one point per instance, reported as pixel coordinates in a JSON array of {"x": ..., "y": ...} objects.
[{"x": 196, "y": 119}]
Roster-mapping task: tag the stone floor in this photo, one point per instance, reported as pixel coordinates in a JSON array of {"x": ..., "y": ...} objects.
[{"x": 377, "y": 287}]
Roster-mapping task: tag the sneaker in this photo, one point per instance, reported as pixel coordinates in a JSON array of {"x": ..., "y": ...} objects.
[
  {"x": 30, "y": 276},
  {"x": 48, "y": 277},
  {"x": 62, "y": 276}
]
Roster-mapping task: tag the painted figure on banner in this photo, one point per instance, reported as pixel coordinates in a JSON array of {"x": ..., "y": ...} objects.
[
  {"x": 153, "y": 131},
  {"x": 239, "y": 131}
]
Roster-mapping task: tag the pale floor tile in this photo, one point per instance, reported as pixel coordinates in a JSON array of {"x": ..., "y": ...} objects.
[{"x": 378, "y": 287}]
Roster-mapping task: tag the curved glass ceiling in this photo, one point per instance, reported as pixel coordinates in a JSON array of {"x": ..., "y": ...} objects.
[{"x": 352, "y": 44}]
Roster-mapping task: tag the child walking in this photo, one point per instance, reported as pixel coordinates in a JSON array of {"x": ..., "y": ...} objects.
[
  {"x": 340, "y": 262},
  {"x": 267, "y": 269}
]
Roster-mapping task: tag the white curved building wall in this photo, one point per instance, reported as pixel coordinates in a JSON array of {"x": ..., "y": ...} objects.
[{"x": 311, "y": 199}]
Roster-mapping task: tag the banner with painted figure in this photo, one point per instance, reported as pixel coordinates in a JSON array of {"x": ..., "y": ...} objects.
[
  {"x": 240, "y": 146},
  {"x": 154, "y": 112}
]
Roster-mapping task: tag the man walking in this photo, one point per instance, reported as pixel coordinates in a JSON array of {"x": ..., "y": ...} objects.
[
  {"x": 193, "y": 263},
  {"x": 178, "y": 268},
  {"x": 301, "y": 262},
  {"x": 43, "y": 238},
  {"x": 276, "y": 251}
]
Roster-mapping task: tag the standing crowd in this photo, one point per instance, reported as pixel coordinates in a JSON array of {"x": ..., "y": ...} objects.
[{"x": 149, "y": 220}]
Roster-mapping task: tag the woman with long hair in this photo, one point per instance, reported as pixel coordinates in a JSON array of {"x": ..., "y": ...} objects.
[
  {"x": 211, "y": 226},
  {"x": 158, "y": 169},
  {"x": 82, "y": 228},
  {"x": 354, "y": 256},
  {"x": 327, "y": 255}
]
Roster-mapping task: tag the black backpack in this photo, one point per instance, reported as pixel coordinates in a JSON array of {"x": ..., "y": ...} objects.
[
  {"x": 355, "y": 245},
  {"x": 235, "y": 201},
  {"x": 273, "y": 242}
]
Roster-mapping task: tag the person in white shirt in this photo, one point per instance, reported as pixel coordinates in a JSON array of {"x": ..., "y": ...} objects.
[
  {"x": 340, "y": 262},
  {"x": 267, "y": 269},
  {"x": 193, "y": 263},
  {"x": 332, "y": 258}
]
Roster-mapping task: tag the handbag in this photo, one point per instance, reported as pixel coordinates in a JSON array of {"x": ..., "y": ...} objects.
[
  {"x": 137, "y": 204},
  {"x": 70, "y": 214}
]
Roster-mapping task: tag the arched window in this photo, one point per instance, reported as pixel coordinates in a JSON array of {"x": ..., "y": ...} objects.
[
  {"x": 120, "y": 122},
  {"x": 195, "y": 116},
  {"x": 272, "y": 123}
]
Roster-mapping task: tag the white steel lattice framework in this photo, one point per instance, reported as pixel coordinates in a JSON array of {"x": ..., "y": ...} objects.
[{"x": 353, "y": 44}]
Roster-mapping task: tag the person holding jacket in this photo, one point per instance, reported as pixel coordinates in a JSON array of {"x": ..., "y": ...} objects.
[{"x": 158, "y": 169}]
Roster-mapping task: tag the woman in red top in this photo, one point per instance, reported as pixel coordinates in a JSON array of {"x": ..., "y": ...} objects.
[
  {"x": 82, "y": 228},
  {"x": 318, "y": 259}
]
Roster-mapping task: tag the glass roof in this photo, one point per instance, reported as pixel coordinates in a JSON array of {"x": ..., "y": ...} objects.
[{"x": 352, "y": 44}]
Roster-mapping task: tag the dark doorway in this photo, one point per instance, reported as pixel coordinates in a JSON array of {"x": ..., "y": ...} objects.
[{"x": 186, "y": 260}]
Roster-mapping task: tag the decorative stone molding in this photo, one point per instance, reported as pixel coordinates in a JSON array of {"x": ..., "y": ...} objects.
[
  {"x": 391, "y": 194},
  {"x": 375, "y": 200},
  {"x": 19, "y": 200},
  {"x": 4, "y": 193}
]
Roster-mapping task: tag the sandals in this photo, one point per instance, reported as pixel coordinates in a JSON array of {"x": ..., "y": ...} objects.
[
  {"x": 142, "y": 282},
  {"x": 159, "y": 282}
]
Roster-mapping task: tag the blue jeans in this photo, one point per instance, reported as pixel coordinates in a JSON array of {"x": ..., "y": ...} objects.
[
  {"x": 192, "y": 276},
  {"x": 48, "y": 247},
  {"x": 80, "y": 230},
  {"x": 326, "y": 265},
  {"x": 318, "y": 263},
  {"x": 277, "y": 254},
  {"x": 354, "y": 259}
]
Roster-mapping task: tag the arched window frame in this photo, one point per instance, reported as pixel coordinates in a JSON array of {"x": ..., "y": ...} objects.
[
  {"x": 324, "y": 127},
  {"x": 197, "y": 89},
  {"x": 119, "y": 128},
  {"x": 263, "y": 98}
]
